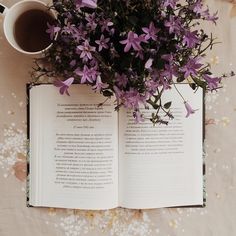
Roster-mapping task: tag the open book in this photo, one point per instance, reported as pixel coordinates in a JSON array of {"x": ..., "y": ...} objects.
[{"x": 89, "y": 157}]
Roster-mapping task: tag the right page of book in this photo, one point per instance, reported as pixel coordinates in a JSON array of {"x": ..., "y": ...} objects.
[{"x": 162, "y": 165}]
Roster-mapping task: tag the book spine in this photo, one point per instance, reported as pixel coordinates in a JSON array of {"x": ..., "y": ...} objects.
[{"x": 28, "y": 87}]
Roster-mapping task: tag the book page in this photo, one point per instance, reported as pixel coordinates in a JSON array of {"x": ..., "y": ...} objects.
[
  {"x": 162, "y": 166},
  {"x": 74, "y": 142}
]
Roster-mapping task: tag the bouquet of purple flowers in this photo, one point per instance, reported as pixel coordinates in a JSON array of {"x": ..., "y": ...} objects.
[{"x": 135, "y": 50}]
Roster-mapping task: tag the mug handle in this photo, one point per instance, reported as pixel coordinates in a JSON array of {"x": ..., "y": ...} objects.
[{"x": 3, "y": 9}]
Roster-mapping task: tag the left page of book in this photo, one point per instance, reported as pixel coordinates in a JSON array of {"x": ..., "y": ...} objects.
[{"x": 73, "y": 149}]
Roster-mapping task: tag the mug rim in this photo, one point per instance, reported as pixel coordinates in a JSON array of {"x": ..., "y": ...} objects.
[{"x": 5, "y": 26}]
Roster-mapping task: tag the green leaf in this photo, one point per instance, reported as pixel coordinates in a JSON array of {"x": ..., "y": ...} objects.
[
  {"x": 167, "y": 105},
  {"x": 193, "y": 86},
  {"x": 107, "y": 93},
  {"x": 153, "y": 104},
  {"x": 200, "y": 83},
  {"x": 180, "y": 79},
  {"x": 157, "y": 97}
]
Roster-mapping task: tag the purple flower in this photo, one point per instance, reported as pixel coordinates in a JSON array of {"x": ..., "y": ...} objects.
[
  {"x": 94, "y": 63},
  {"x": 169, "y": 71},
  {"x": 212, "y": 82},
  {"x": 173, "y": 24},
  {"x": 86, "y": 3},
  {"x": 99, "y": 85},
  {"x": 64, "y": 85},
  {"x": 72, "y": 63},
  {"x": 68, "y": 29},
  {"x": 165, "y": 82},
  {"x": 132, "y": 99},
  {"x": 168, "y": 57},
  {"x": 86, "y": 50},
  {"x": 106, "y": 23},
  {"x": 52, "y": 30},
  {"x": 91, "y": 18},
  {"x": 190, "y": 39},
  {"x": 189, "y": 109},
  {"x": 140, "y": 55},
  {"x": 155, "y": 74},
  {"x": 118, "y": 94},
  {"x": 151, "y": 32},
  {"x": 138, "y": 116},
  {"x": 68, "y": 15},
  {"x": 170, "y": 3},
  {"x": 148, "y": 64},
  {"x": 79, "y": 33},
  {"x": 133, "y": 40},
  {"x": 151, "y": 87},
  {"x": 87, "y": 74},
  {"x": 206, "y": 15},
  {"x": 197, "y": 7},
  {"x": 121, "y": 80},
  {"x": 102, "y": 43},
  {"x": 191, "y": 67}
]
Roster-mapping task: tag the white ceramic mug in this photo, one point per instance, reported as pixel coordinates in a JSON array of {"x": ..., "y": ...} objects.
[{"x": 12, "y": 14}]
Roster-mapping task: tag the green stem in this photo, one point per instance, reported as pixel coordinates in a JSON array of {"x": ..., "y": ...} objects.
[{"x": 179, "y": 92}]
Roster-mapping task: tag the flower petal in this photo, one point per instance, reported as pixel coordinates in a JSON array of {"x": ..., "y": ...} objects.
[
  {"x": 127, "y": 47},
  {"x": 149, "y": 63},
  {"x": 63, "y": 89},
  {"x": 58, "y": 83},
  {"x": 69, "y": 81}
]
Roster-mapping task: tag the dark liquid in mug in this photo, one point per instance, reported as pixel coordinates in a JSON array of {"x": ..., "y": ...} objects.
[{"x": 30, "y": 30}]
